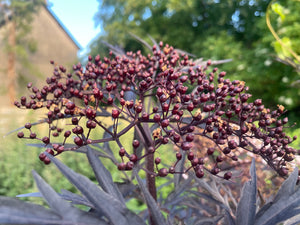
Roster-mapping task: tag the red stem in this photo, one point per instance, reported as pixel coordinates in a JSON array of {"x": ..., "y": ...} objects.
[{"x": 150, "y": 178}]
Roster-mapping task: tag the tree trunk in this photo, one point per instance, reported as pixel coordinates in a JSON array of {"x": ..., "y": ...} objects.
[{"x": 11, "y": 67}]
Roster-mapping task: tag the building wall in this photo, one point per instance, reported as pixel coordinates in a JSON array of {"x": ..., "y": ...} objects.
[{"x": 52, "y": 43}]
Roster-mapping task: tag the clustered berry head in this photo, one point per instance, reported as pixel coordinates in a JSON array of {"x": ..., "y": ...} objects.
[{"x": 177, "y": 99}]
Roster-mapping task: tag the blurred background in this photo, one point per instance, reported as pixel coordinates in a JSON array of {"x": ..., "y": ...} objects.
[{"x": 261, "y": 37}]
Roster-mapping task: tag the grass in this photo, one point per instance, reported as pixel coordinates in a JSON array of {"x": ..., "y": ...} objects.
[{"x": 17, "y": 159}]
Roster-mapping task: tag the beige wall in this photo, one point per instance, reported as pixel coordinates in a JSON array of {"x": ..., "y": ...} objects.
[{"x": 52, "y": 42}]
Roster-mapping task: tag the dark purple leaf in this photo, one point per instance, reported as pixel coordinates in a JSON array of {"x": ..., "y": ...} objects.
[
  {"x": 151, "y": 203},
  {"x": 246, "y": 208},
  {"x": 113, "y": 209},
  {"x": 63, "y": 208},
  {"x": 103, "y": 176},
  {"x": 14, "y": 211},
  {"x": 285, "y": 204}
]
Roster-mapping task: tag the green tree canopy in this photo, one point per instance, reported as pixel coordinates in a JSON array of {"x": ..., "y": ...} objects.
[{"x": 213, "y": 29}]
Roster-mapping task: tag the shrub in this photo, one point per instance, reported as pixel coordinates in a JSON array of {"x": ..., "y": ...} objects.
[{"x": 167, "y": 100}]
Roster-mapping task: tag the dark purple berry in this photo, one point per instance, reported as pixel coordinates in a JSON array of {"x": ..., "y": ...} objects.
[
  {"x": 151, "y": 149},
  {"x": 156, "y": 118},
  {"x": 145, "y": 116},
  {"x": 232, "y": 144},
  {"x": 157, "y": 160},
  {"x": 155, "y": 109},
  {"x": 20, "y": 134},
  {"x": 215, "y": 171},
  {"x": 189, "y": 137},
  {"x": 74, "y": 120},
  {"x": 186, "y": 146},
  {"x": 165, "y": 107},
  {"x": 227, "y": 175},
  {"x": 190, "y": 156},
  {"x": 283, "y": 171},
  {"x": 46, "y": 140},
  {"x": 78, "y": 141},
  {"x": 67, "y": 133},
  {"x": 60, "y": 149},
  {"x": 133, "y": 158},
  {"x": 176, "y": 137},
  {"x": 163, "y": 172},
  {"x": 90, "y": 113},
  {"x": 70, "y": 105},
  {"x": 210, "y": 151},
  {"x": 122, "y": 151},
  {"x": 47, "y": 160},
  {"x": 50, "y": 151},
  {"x": 226, "y": 150},
  {"x": 199, "y": 173},
  {"x": 165, "y": 123},
  {"x": 178, "y": 156},
  {"x": 28, "y": 125},
  {"x": 115, "y": 113},
  {"x": 121, "y": 166},
  {"x": 219, "y": 158},
  {"x": 129, "y": 165},
  {"x": 42, "y": 156},
  {"x": 138, "y": 109},
  {"x": 171, "y": 170},
  {"x": 165, "y": 140},
  {"x": 195, "y": 162},
  {"x": 135, "y": 143},
  {"x": 190, "y": 107}
]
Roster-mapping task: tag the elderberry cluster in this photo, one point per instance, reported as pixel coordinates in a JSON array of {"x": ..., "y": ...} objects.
[{"x": 168, "y": 99}]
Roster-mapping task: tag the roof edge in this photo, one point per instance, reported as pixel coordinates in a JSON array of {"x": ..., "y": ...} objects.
[{"x": 59, "y": 22}]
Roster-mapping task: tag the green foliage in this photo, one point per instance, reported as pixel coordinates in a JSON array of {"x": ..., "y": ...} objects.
[
  {"x": 12, "y": 166},
  {"x": 277, "y": 8},
  {"x": 217, "y": 30},
  {"x": 285, "y": 19},
  {"x": 280, "y": 50},
  {"x": 180, "y": 24},
  {"x": 18, "y": 160},
  {"x": 283, "y": 22},
  {"x": 292, "y": 133}
]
